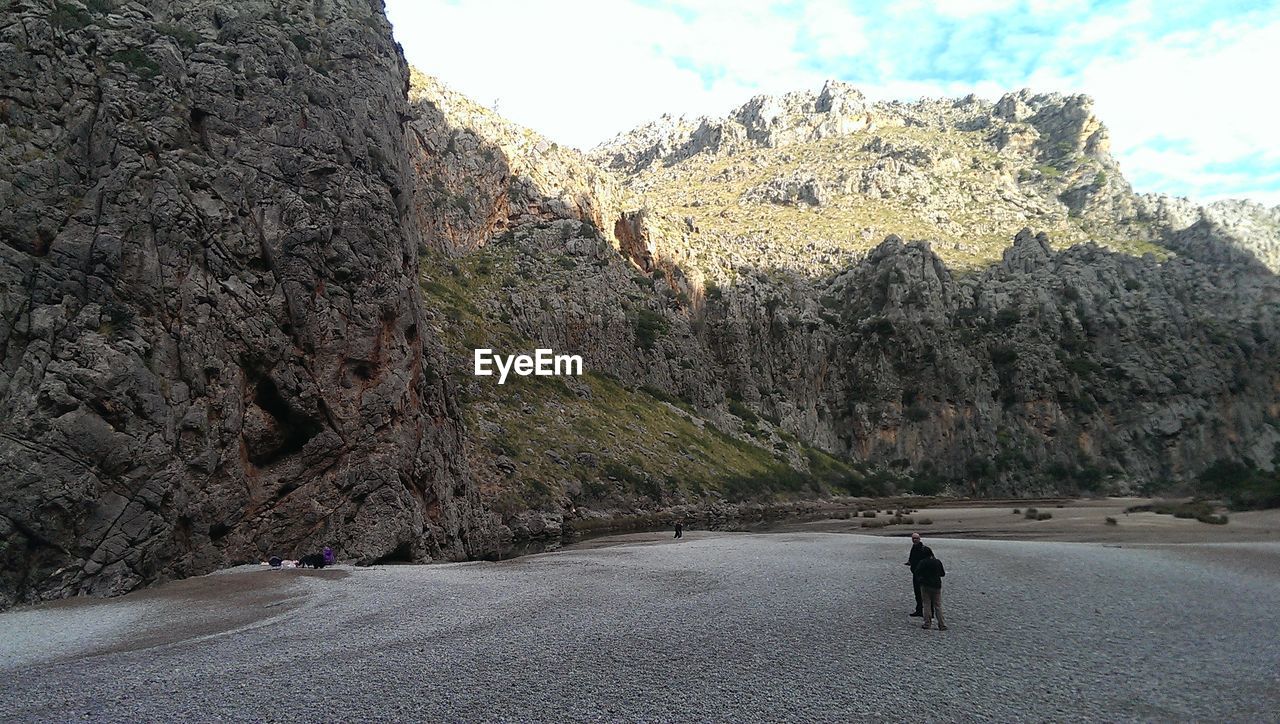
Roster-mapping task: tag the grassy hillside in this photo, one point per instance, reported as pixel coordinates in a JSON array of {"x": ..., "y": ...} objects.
[{"x": 592, "y": 441}]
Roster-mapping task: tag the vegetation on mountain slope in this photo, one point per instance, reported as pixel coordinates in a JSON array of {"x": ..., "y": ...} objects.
[
  {"x": 739, "y": 280},
  {"x": 592, "y": 442}
]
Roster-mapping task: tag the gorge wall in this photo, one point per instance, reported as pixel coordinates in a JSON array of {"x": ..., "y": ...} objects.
[
  {"x": 211, "y": 333},
  {"x": 740, "y": 274}
]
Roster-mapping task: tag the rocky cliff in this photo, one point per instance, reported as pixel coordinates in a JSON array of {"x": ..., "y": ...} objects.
[
  {"x": 1054, "y": 370},
  {"x": 212, "y": 336},
  {"x": 834, "y": 169},
  {"x": 794, "y": 194},
  {"x": 747, "y": 287}
]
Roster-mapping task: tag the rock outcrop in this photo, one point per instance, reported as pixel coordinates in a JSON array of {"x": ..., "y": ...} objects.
[
  {"x": 1222, "y": 232},
  {"x": 478, "y": 175},
  {"x": 1081, "y": 365},
  {"x": 764, "y": 121},
  {"x": 966, "y": 172},
  {"x": 211, "y": 335},
  {"x": 968, "y": 364}
]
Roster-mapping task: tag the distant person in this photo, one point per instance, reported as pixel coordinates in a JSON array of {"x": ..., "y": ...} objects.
[
  {"x": 329, "y": 558},
  {"x": 679, "y": 529},
  {"x": 916, "y": 555},
  {"x": 928, "y": 575}
]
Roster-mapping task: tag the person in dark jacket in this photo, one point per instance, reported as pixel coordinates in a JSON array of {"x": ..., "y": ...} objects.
[
  {"x": 928, "y": 575},
  {"x": 916, "y": 555},
  {"x": 679, "y": 529}
]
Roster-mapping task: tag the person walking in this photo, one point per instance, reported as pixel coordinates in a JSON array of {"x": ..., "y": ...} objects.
[
  {"x": 929, "y": 573},
  {"x": 916, "y": 555},
  {"x": 679, "y": 529}
]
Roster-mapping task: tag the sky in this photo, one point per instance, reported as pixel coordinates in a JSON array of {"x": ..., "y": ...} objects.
[{"x": 1187, "y": 89}]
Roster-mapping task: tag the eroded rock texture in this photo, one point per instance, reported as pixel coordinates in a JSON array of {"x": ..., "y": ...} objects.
[
  {"x": 1053, "y": 370},
  {"x": 210, "y": 318},
  {"x": 1057, "y": 334}
]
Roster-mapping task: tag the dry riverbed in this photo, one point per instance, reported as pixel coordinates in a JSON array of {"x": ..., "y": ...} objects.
[
  {"x": 1082, "y": 521},
  {"x": 797, "y": 624}
]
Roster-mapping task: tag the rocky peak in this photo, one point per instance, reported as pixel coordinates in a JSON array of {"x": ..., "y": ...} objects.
[
  {"x": 765, "y": 121},
  {"x": 1029, "y": 251},
  {"x": 1064, "y": 124},
  {"x": 840, "y": 98},
  {"x": 802, "y": 116},
  {"x": 1229, "y": 231}
]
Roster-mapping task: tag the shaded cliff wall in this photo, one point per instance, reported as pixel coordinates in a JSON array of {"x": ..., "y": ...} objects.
[{"x": 209, "y": 316}]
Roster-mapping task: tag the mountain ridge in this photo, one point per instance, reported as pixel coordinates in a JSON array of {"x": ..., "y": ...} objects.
[
  {"x": 750, "y": 324},
  {"x": 1056, "y": 129}
]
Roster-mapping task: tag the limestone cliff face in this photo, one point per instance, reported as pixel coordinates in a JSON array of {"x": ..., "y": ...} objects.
[
  {"x": 1230, "y": 232},
  {"x": 1054, "y": 368},
  {"x": 211, "y": 335},
  {"x": 966, "y": 173},
  {"x": 748, "y": 276},
  {"x": 764, "y": 121}
]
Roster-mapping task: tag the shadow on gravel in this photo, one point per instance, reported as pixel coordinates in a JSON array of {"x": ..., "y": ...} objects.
[{"x": 193, "y": 608}]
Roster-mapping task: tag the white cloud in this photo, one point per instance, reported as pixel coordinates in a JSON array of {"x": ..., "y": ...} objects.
[
  {"x": 1197, "y": 92},
  {"x": 581, "y": 71},
  {"x": 968, "y": 8},
  {"x": 835, "y": 31}
]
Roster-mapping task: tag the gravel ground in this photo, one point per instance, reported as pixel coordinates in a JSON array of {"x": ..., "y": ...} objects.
[{"x": 716, "y": 626}]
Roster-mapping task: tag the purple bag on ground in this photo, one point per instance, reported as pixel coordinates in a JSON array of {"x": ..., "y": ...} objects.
[{"x": 329, "y": 558}]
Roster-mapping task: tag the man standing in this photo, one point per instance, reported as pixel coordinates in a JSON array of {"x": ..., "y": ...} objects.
[
  {"x": 679, "y": 529},
  {"x": 929, "y": 573},
  {"x": 917, "y": 555}
]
